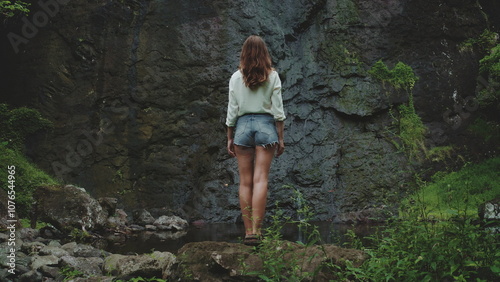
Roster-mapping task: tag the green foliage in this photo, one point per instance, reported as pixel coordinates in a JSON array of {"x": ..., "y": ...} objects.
[
  {"x": 438, "y": 154},
  {"x": 488, "y": 130},
  {"x": 458, "y": 193},
  {"x": 418, "y": 247},
  {"x": 141, "y": 279},
  {"x": 410, "y": 129},
  {"x": 491, "y": 63},
  {"x": 337, "y": 54},
  {"x": 70, "y": 273},
  {"x": 9, "y": 9},
  {"x": 400, "y": 77},
  {"x": 27, "y": 178},
  {"x": 411, "y": 250},
  {"x": 490, "y": 66},
  {"x": 79, "y": 235},
  {"x": 25, "y": 223},
  {"x": 19, "y": 123},
  {"x": 484, "y": 42}
]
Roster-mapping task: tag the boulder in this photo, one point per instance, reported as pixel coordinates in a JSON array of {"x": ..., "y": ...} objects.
[
  {"x": 89, "y": 266},
  {"x": 53, "y": 250},
  {"x": 108, "y": 204},
  {"x": 490, "y": 210},
  {"x": 222, "y": 261},
  {"x": 38, "y": 261},
  {"x": 30, "y": 276},
  {"x": 157, "y": 264},
  {"x": 173, "y": 222},
  {"x": 51, "y": 272},
  {"x": 118, "y": 220},
  {"x": 32, "y": 247},
  {"x": 83, "y": 250},
  {"x": 143, "y": 217},
  {"x": 67, "y": 207}
]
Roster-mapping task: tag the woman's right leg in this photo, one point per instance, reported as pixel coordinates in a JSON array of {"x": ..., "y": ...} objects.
[
  {"x": 263, "y": 159},
  {"x": 245, "y": 157}
]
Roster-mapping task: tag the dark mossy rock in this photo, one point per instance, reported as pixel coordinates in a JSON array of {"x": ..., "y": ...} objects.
[
  {"x": 222, "y": 261},
  {"x": 67, "y": 207}
]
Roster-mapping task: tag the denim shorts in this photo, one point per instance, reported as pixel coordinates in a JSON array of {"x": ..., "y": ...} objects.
[{"x": 255, "y": 130}]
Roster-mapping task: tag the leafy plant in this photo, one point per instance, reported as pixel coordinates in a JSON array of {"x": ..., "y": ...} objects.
[
  {"x": 70, "y": 273},
  {"x": 400, "y": 77},
  {"x": 19, "y": 123},
  {"x": 491, "y": 63},
  {"x": 484, "y": 42},
  {"x": 410, "y": 130},
  {"x": 438, "y": 154},
  {"x": 79, "y": 235},
  {"x": 142, "y": 279},
  {"x": 420, "y": 246},
  {"x": 10, "y": 8},
  {"x": 490, "y": 67}
]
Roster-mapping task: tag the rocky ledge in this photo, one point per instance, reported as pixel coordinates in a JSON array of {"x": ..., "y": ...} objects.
[
  {"x": 41, "y": 259},
  {"x": 71, "y": 246}
]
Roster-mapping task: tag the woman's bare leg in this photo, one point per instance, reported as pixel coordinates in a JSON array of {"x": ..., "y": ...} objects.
[
  {"x": 245, "y": 156},
  {"x": 263, "y": 160}
]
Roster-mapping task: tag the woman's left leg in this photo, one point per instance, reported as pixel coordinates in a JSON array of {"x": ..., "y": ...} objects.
[
  {"x": 263, "y": 160},
  {"x": 245, "y": 156}
]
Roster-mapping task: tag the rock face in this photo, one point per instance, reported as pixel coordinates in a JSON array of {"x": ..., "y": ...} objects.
[{"x": 137, "y": 91}]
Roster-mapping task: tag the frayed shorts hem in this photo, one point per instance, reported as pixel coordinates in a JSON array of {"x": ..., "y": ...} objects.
[{"x": 269, "y": 145}]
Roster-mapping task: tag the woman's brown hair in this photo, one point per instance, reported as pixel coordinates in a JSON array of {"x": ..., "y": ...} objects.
[{"x": 255, "y": 61}]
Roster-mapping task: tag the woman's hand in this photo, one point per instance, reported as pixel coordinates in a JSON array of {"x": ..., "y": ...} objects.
[
  {"x": 230, "y": 147},
  {"x": 281, "y": 148}
]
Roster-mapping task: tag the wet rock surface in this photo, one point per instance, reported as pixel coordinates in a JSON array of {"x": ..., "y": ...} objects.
[
  {"x": 220, "y": 261},
  {"x": 137, "y": 92},
  {"x": 45, "y": 259}
]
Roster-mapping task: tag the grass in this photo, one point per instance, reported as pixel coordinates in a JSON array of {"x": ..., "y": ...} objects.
[
  {"x": 27, "y": 178},
  {"x": 457, "y": 193}
]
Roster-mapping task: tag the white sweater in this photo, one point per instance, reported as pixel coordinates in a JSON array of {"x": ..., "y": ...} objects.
[{"x": 264, "y": 99}]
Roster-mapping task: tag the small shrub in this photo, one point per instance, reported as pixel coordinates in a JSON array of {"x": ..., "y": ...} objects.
[
  {"x": 17, "y": 124},
  {"x": 70, "y": 273},
  {"x": 409, "y": 128}
]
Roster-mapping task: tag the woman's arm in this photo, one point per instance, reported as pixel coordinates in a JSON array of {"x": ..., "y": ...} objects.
[
  {"x": 230, "y": 141},
  {"x": 280, "y": 127}
]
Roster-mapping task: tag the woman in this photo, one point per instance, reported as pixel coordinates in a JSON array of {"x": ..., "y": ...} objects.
[{"x": 255, "y": 130}]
